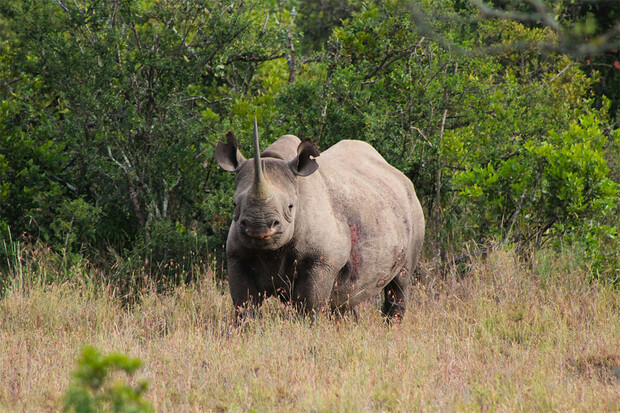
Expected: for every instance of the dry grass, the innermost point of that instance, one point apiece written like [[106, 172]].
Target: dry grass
[[503, 338]]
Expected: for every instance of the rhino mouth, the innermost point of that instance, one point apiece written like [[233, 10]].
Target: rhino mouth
[[264, 243], [261, 235]]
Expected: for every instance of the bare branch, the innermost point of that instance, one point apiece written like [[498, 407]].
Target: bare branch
[[194, 98], [391, 58], [514, 216], [489, 12], [438, 209], [565, 44], [560, 73], [545, 17], [423, 135], [253, 58]]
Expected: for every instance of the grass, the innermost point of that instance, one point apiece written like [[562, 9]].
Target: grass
[[504, 337]]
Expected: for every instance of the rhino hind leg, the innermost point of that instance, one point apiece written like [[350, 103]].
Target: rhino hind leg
[[396, 293]]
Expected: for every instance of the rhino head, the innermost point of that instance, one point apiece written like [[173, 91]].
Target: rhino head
[[266, 198]]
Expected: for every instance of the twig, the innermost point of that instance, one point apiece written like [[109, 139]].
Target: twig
[[422, 134], [193, 98], [438, 211], [389, 59], [514, 216], [468, 255], [560, 73]]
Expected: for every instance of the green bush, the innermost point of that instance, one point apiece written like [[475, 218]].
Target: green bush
[[551, 186], [107, 130], [91, 390], [110, 112], [510, 147]]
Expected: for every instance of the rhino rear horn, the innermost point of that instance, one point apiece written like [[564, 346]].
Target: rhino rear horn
[[227, 154], [305, 163]]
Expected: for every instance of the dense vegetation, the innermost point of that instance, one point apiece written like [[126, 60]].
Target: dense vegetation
[[504, 114], [110, 111]]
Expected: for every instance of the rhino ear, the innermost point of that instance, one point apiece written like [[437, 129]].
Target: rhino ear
[[305, 164], [227, 154]]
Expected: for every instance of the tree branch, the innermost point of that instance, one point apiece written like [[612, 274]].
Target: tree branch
[[194, 98]]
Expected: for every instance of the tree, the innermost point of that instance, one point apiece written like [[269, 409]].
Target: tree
[[463, 125], [111, 109], [109, 114]]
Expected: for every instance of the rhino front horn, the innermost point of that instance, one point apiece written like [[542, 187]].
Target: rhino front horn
[[260, 187]]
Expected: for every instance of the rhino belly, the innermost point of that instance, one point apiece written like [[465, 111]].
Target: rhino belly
[[377, 256]]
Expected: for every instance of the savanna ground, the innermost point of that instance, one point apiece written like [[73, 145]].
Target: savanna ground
[[504, 336]]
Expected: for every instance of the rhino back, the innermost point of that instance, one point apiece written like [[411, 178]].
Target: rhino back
[[359, 179], [284, 148]]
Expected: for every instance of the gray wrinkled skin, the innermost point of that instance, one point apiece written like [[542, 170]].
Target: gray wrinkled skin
[[321, 238]]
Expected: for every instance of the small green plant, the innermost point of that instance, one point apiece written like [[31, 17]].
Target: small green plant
[[91, 390]]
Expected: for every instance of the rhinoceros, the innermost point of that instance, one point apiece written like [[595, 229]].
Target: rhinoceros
[[321, 232]]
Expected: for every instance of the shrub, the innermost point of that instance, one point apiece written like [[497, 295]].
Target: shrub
[[91, 390]]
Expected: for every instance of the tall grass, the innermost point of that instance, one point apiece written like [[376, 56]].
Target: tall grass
[[504, 337]]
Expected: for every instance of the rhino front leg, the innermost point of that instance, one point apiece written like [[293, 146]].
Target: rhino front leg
[[312, 288], [244, 291], [396, 294]]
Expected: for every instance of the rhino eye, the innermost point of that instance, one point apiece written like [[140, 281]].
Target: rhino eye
[[290, 206]]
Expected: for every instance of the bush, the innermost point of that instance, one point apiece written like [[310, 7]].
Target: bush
[[110, 114], [91, 391]]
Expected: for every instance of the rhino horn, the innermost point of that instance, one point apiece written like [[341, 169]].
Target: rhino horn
[[260, 187]]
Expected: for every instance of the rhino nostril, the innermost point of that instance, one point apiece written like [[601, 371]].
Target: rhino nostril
[[275, 224], [243, 225]]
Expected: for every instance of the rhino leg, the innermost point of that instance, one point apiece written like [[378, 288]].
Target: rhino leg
[[312, 287], [245, 294], [396, 293], [345, 312]]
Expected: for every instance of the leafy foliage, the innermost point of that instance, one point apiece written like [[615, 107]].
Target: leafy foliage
[[111, 110], [90, 390], [106, 123], [552, 183]]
